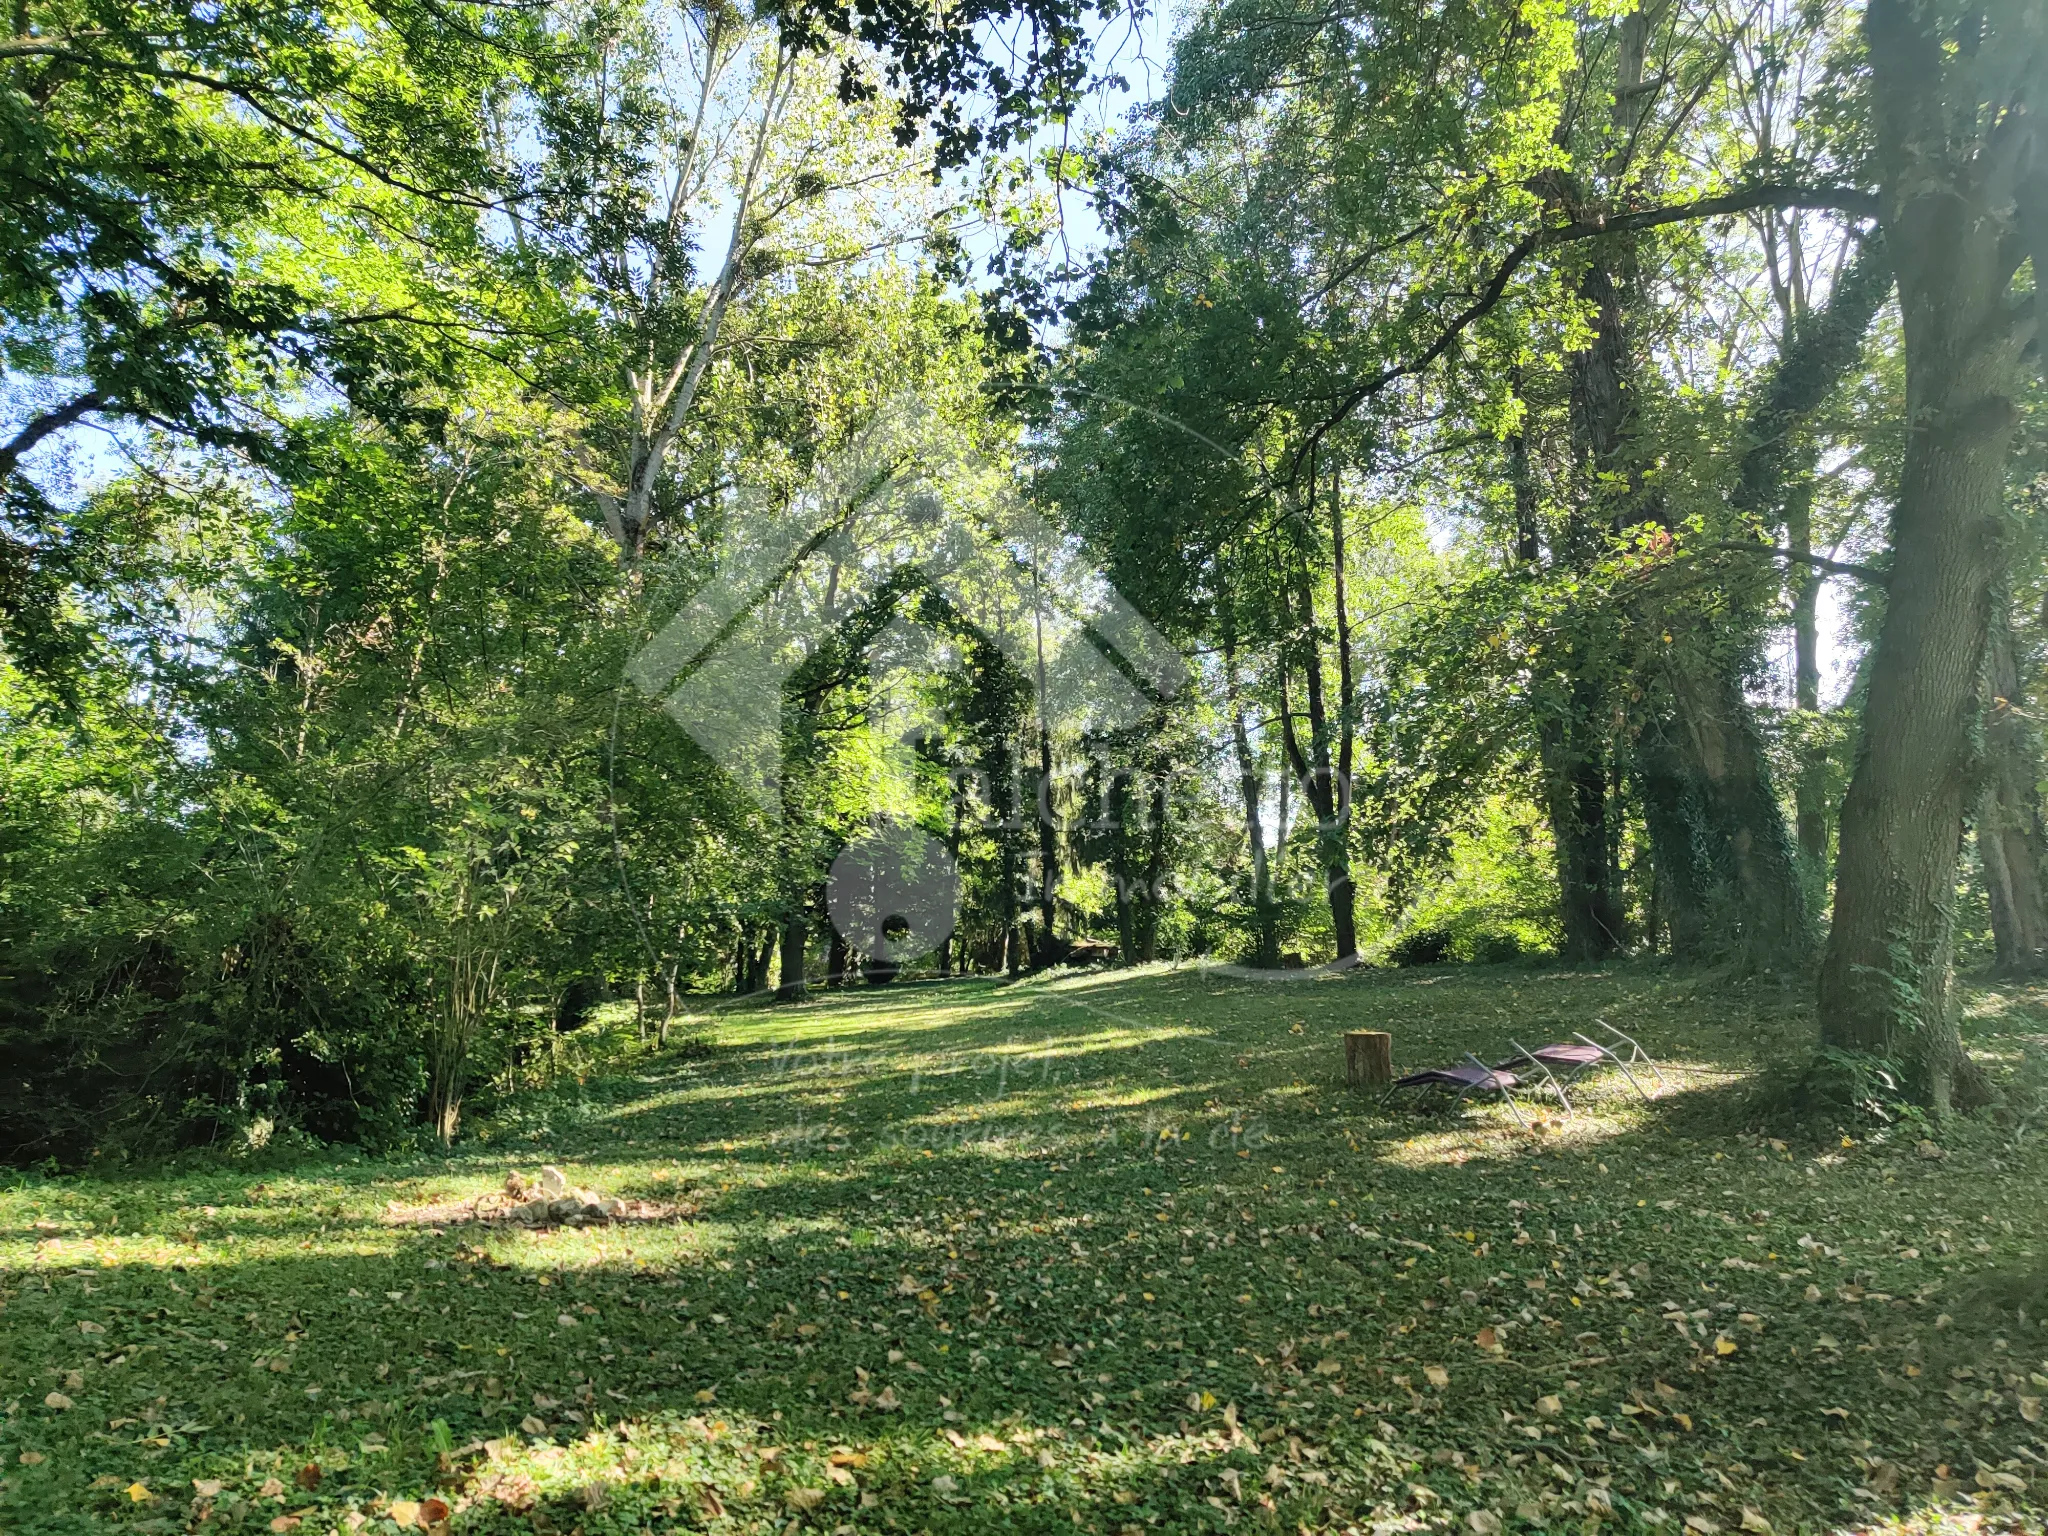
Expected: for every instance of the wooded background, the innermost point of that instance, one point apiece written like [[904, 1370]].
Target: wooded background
[[1589, 460]]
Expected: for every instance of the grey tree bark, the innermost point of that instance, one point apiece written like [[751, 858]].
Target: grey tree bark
[[1886, 984]]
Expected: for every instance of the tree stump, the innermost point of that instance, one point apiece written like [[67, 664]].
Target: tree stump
[[1368, 1058]]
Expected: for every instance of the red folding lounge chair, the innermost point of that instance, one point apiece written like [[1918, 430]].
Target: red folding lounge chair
[[1469, 1076]]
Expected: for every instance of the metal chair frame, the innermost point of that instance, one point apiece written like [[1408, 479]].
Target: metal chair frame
[[1635, 1054], [1607, 1053], [1525, 1054], [1490, 1078]]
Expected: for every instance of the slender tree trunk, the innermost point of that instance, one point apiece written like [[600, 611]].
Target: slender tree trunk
[[1314, 769], [472, 989], [1885, 986], [1283, 808], [1810, 788], [1048, 848], [1265, 912], [1347, 717], [1013, 959], [2010, 836], [761, 956], [1120, 865], [1155, 870], [1048, 831], [953, 848]]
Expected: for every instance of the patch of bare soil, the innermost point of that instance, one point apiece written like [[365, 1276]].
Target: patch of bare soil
[[550, 1202]]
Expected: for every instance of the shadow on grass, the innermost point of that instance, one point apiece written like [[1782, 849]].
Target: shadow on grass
[[1189, 1285]]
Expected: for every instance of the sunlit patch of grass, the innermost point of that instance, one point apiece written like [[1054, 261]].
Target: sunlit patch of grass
[[1265, 1269]]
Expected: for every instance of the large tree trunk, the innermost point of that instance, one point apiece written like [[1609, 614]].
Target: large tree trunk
[[791, 986], [1572, 753], [1717, 832], [2010, 837], [1885, 987], [1574, 740]]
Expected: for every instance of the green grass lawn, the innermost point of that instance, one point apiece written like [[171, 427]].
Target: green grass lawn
[[1110, 1253]]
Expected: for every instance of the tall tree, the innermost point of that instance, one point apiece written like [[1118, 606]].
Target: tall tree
[[1957, 95]]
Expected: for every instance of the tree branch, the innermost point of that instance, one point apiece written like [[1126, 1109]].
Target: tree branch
[[1867, 573], [1850, 200], [42, 426]]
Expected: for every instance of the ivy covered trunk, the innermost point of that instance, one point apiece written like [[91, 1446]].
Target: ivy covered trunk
[[1775, 489], [1676, 818], [1756, 887], [1576, 795], [1885, 987]]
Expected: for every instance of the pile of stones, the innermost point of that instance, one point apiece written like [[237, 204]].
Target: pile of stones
[[554, 1201]]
